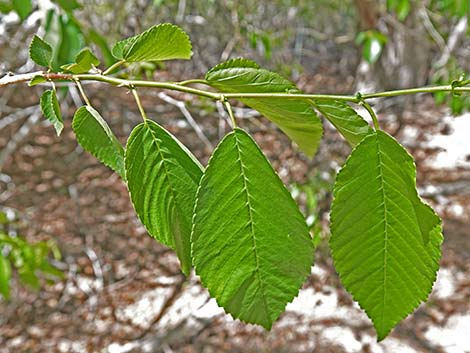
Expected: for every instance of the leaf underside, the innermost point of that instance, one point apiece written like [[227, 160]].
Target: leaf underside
[[161, 42], [95, 136], [345, 119], [385, 241], [250, 244], [51, 110], [293, 116], [163, 177]]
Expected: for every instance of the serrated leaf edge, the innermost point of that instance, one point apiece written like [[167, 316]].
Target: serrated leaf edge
[[193, 227], [127, 49], [37, 38], [436, 228], [108, 132]]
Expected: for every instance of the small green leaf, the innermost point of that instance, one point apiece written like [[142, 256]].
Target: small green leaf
[[349, 124], [51, 110], [403, 9], [28, 276], [5, 276], [40, 52], [95, 136], [5, 7], [22, 7], [373, 43], [162, 177], [160, 42], [36, 81], [372, 50], [293, 116], [250, 243], [46, 268], [84, 62], [68, 5], [385, 241]]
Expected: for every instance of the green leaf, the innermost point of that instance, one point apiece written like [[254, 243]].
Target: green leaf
[[349, 124], [53, 272], [163, 177], [51, 110], [5, 275], [95, 136], [250, 243], [36, 81], [68, 5], [5, 7], [160, 42], [372, 50], [293, 116], [374, 42], [40, 52], [22, 7], [28, 276], [84, 62], [385, 241], [403, 9]]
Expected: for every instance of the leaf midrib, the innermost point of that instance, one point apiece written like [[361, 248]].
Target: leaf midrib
[[252, 226], [382, 188], [164, 162]]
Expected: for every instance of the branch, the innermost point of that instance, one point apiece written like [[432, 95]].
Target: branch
[[174, 86], [182, 107], [11, 78]]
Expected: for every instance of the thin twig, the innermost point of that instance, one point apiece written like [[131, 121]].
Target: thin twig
[[19, 136], [220, 96], [230, 113], [423, 13], [82, 92], [96, 265], [17, 115], [113, 67], [182, 107], [139, 104], [224, 118], [11, 78], [454, 38]]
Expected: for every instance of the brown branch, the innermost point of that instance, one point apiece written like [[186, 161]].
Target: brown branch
[[11, 78]]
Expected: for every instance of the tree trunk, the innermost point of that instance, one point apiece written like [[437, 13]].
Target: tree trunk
[[405, 60]]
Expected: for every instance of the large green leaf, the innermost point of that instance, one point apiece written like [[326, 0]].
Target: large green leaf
[[161, 42], [385, 241], [40, 52], [349, 124], [95, 136], [51, 110], [163, 177], [293, 116], [250, 243], [5, 275], [84, 62]]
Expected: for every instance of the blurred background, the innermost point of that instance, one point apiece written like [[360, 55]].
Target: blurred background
[[78, 271]]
